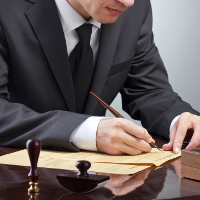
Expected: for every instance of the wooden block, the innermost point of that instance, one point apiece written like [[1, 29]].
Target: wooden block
[[189, 187], [190, 163]]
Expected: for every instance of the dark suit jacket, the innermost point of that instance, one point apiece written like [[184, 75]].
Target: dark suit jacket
[[36, 89]]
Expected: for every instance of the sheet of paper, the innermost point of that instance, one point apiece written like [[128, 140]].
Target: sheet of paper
[[55, 163], [155, 157]]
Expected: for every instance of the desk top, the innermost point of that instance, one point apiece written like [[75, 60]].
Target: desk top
[[163, 183]]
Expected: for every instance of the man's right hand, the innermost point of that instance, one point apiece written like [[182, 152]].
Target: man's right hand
[[116, 136]]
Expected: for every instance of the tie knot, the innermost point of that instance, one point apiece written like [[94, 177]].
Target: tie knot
[[84, 33]]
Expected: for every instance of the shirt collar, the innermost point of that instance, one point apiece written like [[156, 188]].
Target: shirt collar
[[66, 11]]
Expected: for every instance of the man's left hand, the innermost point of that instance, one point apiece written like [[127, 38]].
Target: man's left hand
[[178, 134]]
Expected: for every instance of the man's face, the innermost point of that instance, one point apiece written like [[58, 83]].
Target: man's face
[[103, 11]]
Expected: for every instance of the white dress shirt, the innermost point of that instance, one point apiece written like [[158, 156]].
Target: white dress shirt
[[84, 136]]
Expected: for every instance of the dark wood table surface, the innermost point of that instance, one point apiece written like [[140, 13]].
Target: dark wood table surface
[[163, 183]]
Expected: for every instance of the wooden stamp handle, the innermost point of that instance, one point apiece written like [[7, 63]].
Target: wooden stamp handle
[[83, 166], [33, 147]]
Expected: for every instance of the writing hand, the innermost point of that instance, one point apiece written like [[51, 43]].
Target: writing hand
[[116, 136], [181, 130]]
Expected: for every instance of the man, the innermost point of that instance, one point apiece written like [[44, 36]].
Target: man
[[38, 96]]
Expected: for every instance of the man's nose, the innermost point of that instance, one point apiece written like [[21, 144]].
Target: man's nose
[[127, 3]]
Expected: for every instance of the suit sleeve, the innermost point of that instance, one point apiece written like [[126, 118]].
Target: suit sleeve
[[147, 94], [18, 123]]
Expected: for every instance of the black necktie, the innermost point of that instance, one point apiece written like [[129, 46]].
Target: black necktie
[[81, 62]]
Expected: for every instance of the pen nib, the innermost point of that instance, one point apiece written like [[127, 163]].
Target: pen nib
[[158, 148], [154, 146]]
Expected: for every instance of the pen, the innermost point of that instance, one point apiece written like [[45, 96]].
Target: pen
[[116, 114]]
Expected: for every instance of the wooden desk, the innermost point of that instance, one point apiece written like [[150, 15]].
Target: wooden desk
[[163, 183]]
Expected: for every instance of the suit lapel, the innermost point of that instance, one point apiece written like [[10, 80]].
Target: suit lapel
[[107, 45], [44, 19]]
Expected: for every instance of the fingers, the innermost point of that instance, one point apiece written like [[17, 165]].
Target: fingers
[[180, 134], [187, 121], [195, 140], [129, 149], [134, 136], [169, 146], [136, 143], [183, 126], [119, 148], [113, 138], [138, 131]]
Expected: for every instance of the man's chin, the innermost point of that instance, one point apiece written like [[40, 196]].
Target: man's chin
[[107, 20]]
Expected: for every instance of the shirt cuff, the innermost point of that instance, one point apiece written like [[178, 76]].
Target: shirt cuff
[[84, 135], [173, 122]]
